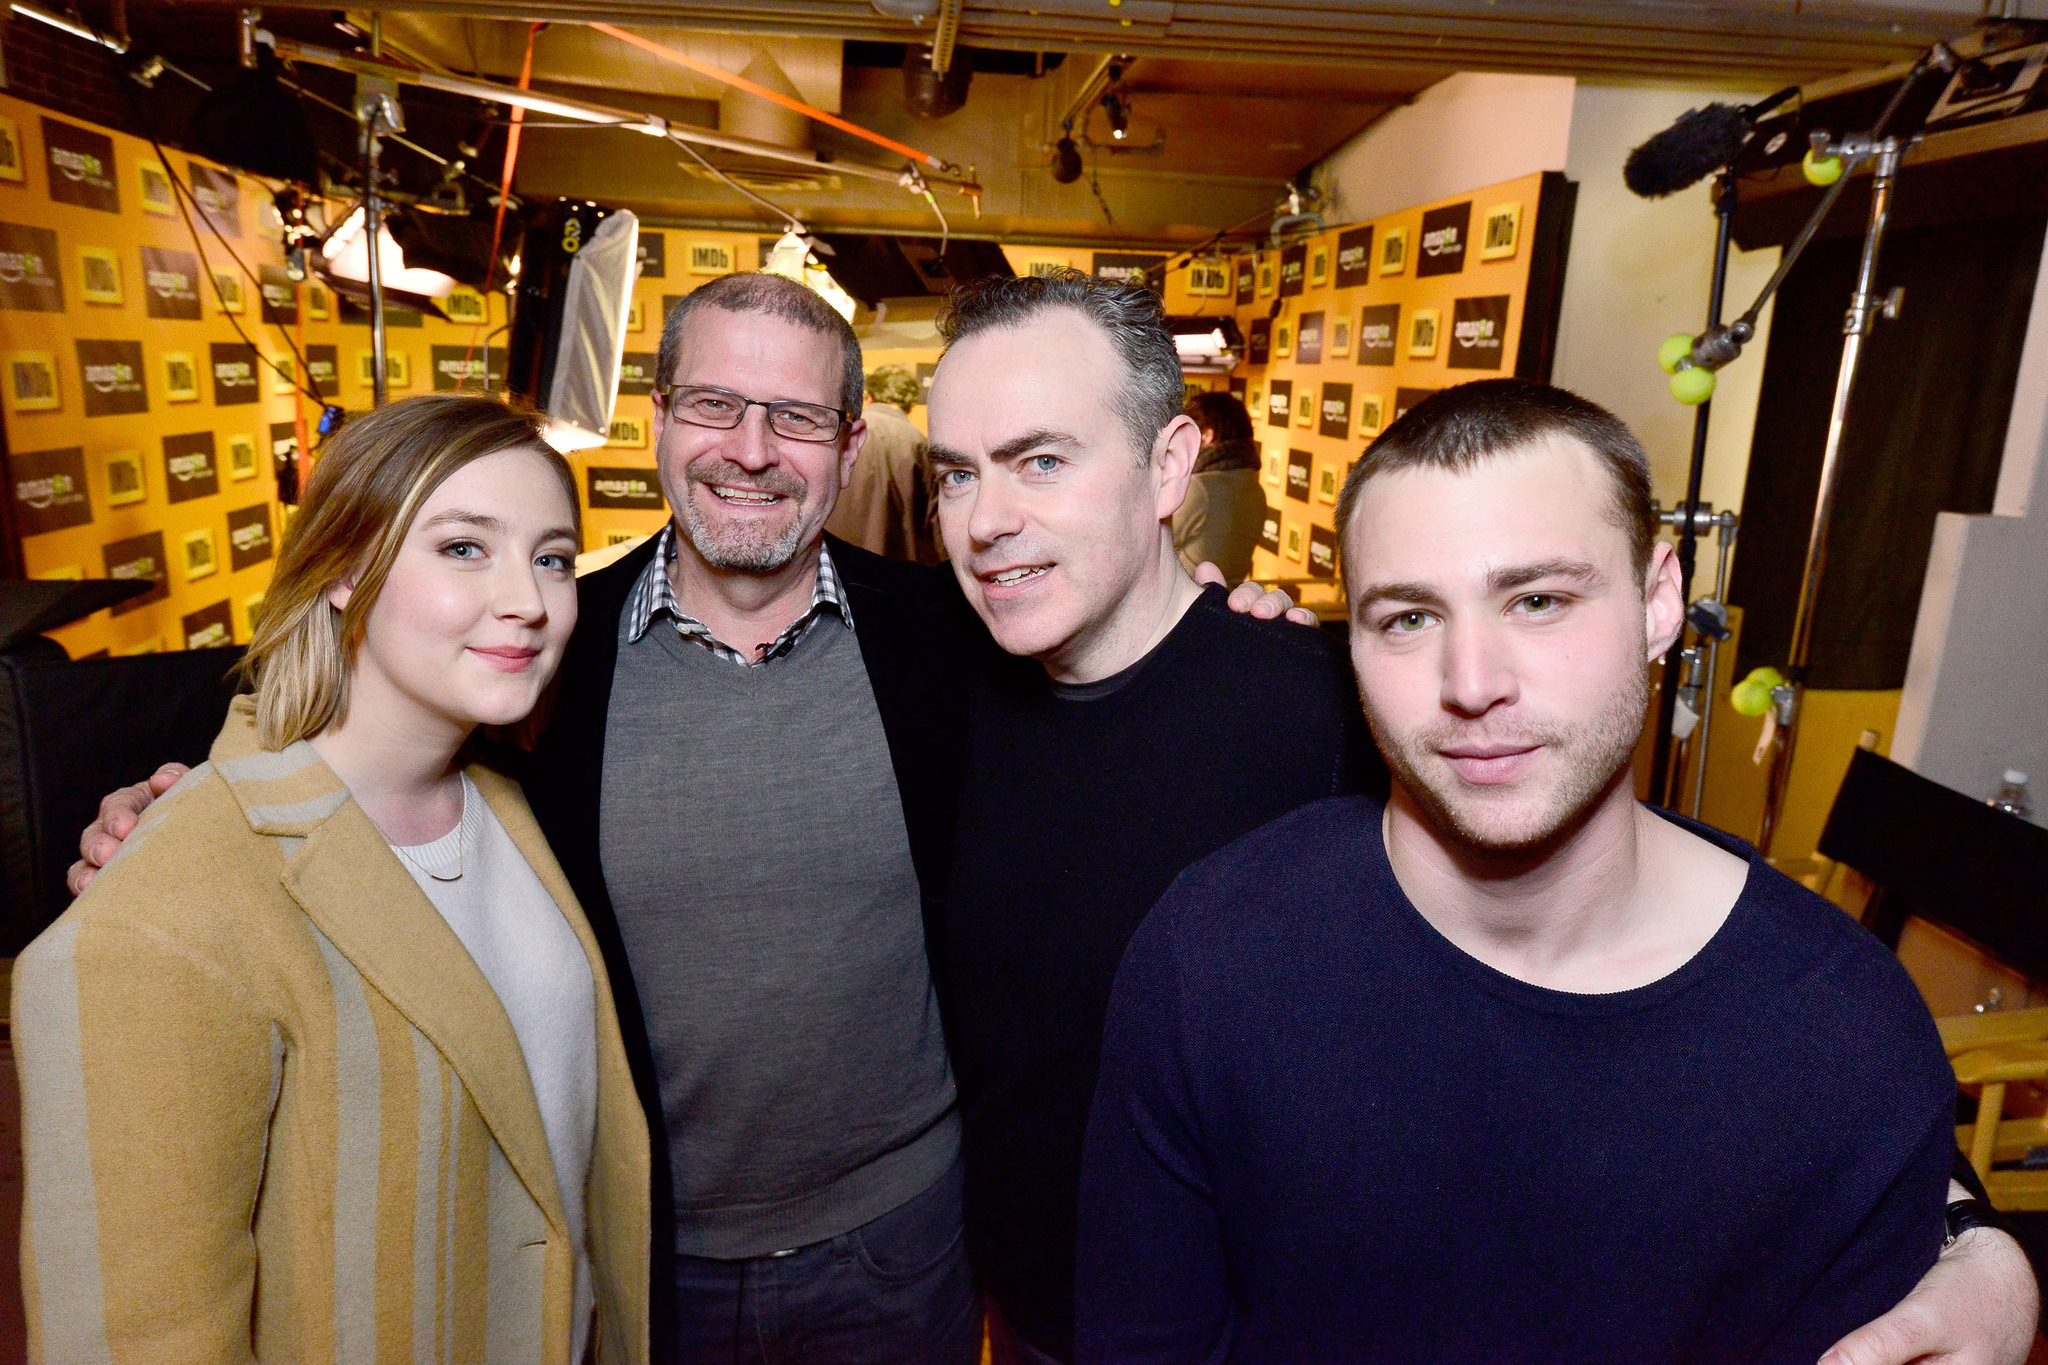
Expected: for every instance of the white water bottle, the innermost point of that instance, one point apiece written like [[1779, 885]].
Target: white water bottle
[[2012, 795]]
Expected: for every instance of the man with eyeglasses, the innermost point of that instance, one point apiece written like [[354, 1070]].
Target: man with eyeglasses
[[747, 780]]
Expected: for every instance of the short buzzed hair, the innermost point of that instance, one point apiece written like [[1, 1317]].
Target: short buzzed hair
[[1131, 316], [756, 292], [1458, 427]]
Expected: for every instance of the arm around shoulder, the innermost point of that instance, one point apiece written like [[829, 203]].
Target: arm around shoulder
[[147, 1080]]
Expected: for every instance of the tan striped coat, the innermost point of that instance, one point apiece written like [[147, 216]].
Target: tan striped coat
[[272, 1111]]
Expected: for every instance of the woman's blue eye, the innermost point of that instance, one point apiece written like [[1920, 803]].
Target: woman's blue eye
[[553, 561], [463, 549]]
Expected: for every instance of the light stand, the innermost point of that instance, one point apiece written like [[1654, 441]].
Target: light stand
[[1697, 664], [1687, 513], [1830, 163], [1864, 307], [376, 108]]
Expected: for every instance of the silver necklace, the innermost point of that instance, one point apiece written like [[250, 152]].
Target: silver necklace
[[455, 876], [461, 838]]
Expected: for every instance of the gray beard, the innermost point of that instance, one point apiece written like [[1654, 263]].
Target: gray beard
[[1594, 754], [744, 549], [739, 549]]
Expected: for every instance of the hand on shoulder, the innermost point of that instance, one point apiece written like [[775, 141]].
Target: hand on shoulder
[[1252, 600], [119, 810]]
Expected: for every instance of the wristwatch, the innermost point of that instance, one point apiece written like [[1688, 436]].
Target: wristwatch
[[1964, 1214]]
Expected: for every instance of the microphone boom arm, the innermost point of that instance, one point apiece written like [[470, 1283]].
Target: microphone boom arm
[[1719, 345]]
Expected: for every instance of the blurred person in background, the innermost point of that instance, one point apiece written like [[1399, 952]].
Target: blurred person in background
[[886, 505], [1219, 520]]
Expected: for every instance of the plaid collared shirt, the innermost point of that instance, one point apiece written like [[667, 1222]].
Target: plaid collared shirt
[[653, 593]]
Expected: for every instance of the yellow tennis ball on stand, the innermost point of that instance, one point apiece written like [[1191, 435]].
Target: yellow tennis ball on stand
[[1820, 170], [1749, 699], [1676, 347], [1692, 386], [1752, 696]]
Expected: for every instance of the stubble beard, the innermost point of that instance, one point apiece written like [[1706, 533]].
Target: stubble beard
[[1587, 760], [743, 547]]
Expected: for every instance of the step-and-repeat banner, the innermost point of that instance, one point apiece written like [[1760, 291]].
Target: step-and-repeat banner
[[1350, 328], [145, 424]]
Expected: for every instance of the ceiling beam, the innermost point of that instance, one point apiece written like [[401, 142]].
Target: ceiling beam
[[1703, 39]]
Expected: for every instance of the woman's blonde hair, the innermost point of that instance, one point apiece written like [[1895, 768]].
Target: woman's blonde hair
[[370, 482]]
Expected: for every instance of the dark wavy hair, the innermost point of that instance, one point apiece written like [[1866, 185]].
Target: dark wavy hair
[[1221, 415]]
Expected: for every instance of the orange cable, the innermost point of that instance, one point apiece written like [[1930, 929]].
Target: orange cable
[[717, 73], [504, 193], [298, 394]]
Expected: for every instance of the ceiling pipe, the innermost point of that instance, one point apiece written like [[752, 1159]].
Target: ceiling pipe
[[581, 111], [1089, 89], [719, 73], [70, 26]]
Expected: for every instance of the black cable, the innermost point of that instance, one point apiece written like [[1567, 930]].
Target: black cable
[[1095, 184], [443, 162], [181, 193], [794, 223], [299, 381]]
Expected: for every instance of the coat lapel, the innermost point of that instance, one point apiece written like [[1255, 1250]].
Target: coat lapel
[[350, 884]]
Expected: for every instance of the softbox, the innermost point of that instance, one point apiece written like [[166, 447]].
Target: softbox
[[576, 273]]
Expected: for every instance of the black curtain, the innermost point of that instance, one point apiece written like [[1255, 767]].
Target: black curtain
[[1925, 433]]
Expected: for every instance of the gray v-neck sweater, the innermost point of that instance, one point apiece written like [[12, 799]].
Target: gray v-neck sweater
[[755, 852]]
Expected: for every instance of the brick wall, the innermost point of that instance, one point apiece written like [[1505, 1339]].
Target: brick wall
[[68, 75]]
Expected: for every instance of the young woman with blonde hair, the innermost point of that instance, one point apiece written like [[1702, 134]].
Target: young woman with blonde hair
[[324, 1065]]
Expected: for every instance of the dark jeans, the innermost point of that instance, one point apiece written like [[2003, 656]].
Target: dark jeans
[[896, 1291]]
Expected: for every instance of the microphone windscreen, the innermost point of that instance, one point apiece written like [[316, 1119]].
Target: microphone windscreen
[[1700, 143]]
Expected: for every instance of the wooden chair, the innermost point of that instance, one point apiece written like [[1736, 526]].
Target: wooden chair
[[1938, 854]]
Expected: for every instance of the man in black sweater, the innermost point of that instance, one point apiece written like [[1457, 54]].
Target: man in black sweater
[[1146, 727], [1507, 1067]]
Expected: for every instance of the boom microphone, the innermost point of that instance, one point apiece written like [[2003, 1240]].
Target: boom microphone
[[1701, 142]]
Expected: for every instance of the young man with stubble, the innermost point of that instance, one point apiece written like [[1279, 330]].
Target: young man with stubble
[[1508, 1067]]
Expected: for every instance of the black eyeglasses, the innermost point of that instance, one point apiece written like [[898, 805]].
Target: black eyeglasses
[[722, 409]]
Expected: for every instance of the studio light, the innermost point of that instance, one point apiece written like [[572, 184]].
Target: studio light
[[791, 258], [345, 260], [1206, 345], [1119, 115]]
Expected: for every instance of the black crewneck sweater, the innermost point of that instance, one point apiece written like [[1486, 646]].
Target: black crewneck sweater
[[1080, 807]]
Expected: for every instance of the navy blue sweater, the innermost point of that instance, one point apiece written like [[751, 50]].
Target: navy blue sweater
[[1324, 1134]]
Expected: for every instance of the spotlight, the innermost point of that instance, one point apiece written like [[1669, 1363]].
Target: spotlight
[[345, 261], [1119, 115], [298, 233], [1066, 161]]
